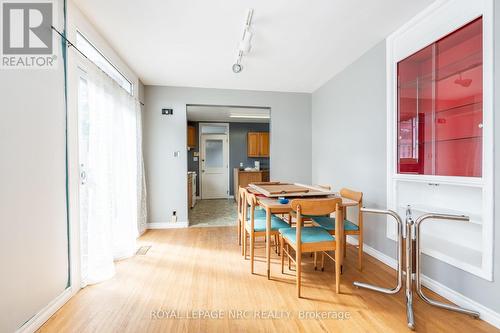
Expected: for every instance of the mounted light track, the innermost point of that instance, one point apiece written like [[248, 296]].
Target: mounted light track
[[245, 44]]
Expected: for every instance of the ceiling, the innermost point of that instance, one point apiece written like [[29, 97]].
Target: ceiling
[[297, 45], [224, 113]]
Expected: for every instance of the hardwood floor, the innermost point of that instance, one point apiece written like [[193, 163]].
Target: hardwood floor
[[198, 269]]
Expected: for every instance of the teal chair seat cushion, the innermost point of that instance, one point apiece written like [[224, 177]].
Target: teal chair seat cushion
[[308, 235], [258, 213], [328, 223], [259, 224]]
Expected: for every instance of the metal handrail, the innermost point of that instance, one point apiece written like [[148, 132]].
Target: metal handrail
[[410, 317], [418, 281], [400, 254]]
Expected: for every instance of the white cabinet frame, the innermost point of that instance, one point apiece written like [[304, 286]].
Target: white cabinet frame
[[435, 22]]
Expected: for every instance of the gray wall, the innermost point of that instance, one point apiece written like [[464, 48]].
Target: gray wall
[[163, 135], [33, 236], [237, 150], [349, 137], [350, 108]]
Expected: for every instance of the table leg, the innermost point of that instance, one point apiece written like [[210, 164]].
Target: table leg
[[268, 242], [341, 238]]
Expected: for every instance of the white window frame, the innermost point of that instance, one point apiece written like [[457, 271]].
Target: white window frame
[[127, 85]]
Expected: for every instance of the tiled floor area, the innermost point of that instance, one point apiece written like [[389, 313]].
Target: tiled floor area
[[213, 213]]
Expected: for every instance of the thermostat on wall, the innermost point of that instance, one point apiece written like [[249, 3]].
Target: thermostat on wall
[[167, 111]]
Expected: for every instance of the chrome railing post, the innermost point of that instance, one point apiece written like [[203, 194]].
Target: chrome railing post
[[409, 224], [418, 281], [400, 253]]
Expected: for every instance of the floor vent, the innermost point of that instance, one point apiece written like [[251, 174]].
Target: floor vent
[[143, 250]]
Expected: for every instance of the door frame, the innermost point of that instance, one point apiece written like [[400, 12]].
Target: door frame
[[226, 125]]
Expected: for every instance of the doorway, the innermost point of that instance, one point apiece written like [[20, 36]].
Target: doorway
[[214, 165], [228, 147]]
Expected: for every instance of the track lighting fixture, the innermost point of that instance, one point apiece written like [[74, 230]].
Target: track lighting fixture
[[245, 44]]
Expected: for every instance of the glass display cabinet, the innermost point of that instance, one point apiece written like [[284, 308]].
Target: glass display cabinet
[[440, 111], [440, 130]]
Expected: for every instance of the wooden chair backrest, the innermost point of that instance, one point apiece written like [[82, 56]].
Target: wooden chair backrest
[[323, 206], [351, 194], [252, 202], [241, 200], [356, 196], [251, 199]]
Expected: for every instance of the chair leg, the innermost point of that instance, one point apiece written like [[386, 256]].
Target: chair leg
[[239, 232], [244, 249], [252, 250], [298, 268], [315, 260], [282, 255], [337, 268], [322, 261], [289, 260], [360, 251], [345, 245]]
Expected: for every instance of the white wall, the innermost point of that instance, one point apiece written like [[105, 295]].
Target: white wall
[[163, 135], [33, 236], [349, 149]]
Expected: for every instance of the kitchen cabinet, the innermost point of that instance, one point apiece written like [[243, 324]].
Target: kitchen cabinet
[[258, 144], [243, 178], [191, 137]]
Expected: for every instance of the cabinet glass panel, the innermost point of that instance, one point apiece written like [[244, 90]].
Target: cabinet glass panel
[[440, 90]]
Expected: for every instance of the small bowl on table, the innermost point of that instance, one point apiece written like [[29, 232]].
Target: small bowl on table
[[283, 200]]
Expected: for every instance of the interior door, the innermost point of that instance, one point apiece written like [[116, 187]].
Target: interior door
[[214, 166]]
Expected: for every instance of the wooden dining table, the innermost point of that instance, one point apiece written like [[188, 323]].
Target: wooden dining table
[[269, 201]]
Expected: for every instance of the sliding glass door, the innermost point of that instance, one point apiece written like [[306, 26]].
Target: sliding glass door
[[110, 173]]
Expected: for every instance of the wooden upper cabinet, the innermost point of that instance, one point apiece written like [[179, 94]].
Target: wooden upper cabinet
[[258, 144], [264, 144], [253, 144], [191, 137]]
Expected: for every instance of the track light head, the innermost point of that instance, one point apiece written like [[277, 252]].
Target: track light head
[[237, 68]]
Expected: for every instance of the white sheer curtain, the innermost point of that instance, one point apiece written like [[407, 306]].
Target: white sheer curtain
[[114, 197]]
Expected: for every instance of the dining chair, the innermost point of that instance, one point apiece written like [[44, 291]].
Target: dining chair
[[290, 216], [255, 226], [241, 211], [311, 239], [350, 228]]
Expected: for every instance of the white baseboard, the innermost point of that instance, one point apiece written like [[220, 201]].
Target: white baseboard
[[41, 317], [486, 314], [453, 296], [168, 225]]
